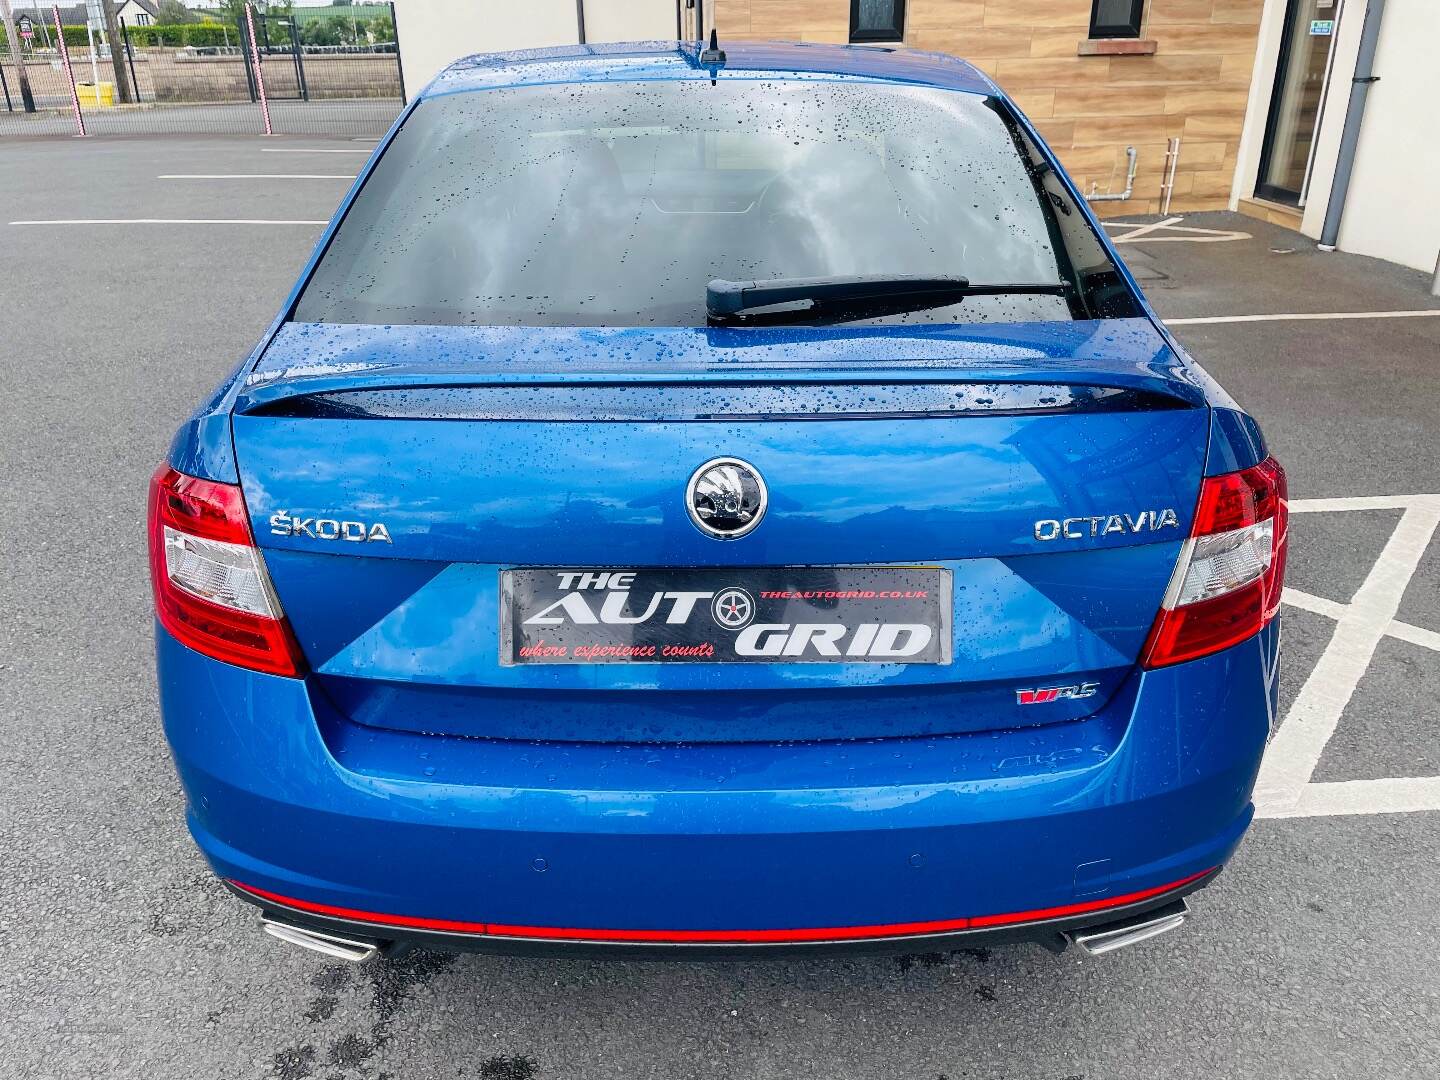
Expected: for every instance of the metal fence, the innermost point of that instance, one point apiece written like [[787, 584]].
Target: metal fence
[[274, 79]]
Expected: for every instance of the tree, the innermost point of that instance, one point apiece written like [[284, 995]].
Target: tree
[[382, 29], [233, 11], [319, 32], [173, 13], [111, 12], [344, 29], [16, 50]]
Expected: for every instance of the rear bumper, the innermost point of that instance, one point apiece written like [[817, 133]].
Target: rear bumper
[[919, 843], [392, 936]]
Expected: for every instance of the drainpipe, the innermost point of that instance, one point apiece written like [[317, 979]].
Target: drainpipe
[[1172, 161], [1354, 118], [1118, 196]]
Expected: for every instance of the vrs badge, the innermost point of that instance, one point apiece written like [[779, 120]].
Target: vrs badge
[[1046, 694]]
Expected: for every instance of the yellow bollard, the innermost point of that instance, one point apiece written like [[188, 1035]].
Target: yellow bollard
[[88, 96]]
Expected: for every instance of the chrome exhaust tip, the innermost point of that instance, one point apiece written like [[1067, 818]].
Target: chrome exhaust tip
[[1099, 940], [333, 945]]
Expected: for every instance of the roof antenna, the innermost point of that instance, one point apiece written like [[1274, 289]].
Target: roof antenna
[[713, 57]]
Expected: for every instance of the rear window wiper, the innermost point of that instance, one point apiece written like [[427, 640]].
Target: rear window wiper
[[838, 299]]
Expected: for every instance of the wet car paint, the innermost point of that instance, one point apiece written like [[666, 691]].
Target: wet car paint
[[1151, 788]]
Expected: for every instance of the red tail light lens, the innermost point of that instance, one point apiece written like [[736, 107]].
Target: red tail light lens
[[1230, 574], [211, 590]]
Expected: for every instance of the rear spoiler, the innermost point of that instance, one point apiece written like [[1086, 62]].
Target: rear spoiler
[[1104, 364], [725, 401]]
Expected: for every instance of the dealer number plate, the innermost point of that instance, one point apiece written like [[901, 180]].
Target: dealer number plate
[[750, 615]]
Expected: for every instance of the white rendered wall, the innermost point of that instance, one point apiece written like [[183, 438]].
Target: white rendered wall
[[434, 33], [1393, 208]]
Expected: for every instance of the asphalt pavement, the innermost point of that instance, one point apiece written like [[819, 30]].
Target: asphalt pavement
[[1312, 956]]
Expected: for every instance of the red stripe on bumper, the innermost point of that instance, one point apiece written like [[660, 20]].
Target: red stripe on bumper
[[681, 937]]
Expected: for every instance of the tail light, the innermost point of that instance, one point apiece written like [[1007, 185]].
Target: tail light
[[211, 590], [1226, 586]]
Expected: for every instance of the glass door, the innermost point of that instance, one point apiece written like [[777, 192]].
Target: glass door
[[1295, 103]]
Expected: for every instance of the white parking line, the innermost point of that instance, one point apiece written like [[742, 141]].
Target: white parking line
[[1415, 635], [1363, 502], [1319, 605], [256, 176], [171, 221], [1307, 316], [1138, 231], [1333, 609], [1284, 788], [1168, 231], [1392, 795], [304, 150]]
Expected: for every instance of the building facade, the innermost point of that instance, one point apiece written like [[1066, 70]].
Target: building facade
[[1312, 81], [1096, 76]]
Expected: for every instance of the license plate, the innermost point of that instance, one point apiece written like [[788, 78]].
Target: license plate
[[752, 615]]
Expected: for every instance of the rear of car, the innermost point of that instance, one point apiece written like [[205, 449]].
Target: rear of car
[[716, 506]]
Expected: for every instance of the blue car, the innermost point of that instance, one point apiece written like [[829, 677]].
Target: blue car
[[710, 501]]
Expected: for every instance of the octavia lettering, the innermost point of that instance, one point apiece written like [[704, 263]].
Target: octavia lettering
[[1078, 528]]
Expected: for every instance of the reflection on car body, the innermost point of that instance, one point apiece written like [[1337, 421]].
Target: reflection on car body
[[752, 492]]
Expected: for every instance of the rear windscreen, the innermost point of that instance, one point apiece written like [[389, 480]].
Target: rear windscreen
[[615, 203]]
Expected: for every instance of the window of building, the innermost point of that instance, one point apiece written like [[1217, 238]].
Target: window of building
[[877, 20], [1116, 18], [142, 19]]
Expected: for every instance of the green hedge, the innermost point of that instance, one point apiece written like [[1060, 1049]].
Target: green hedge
[[205, 35], [74, 36], [201, 35], [38, 41]]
